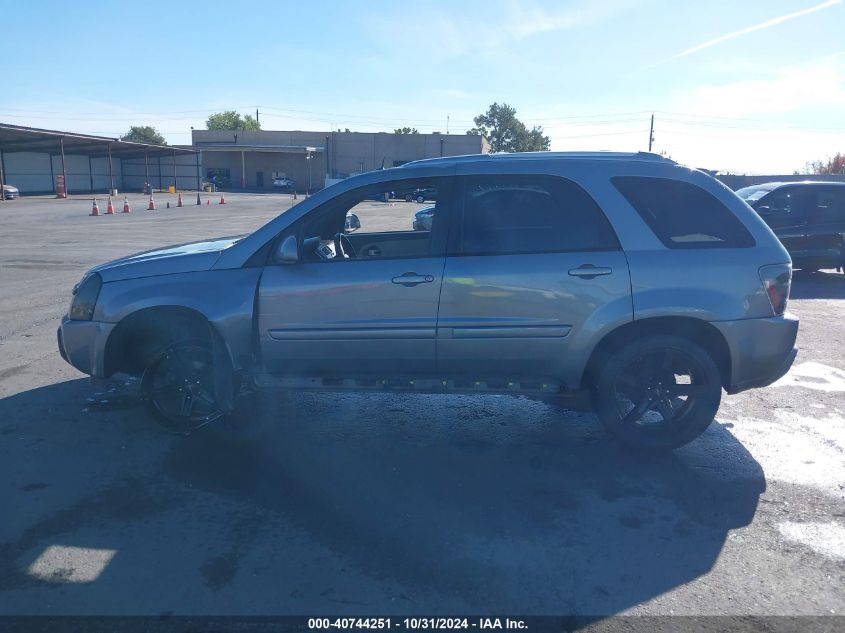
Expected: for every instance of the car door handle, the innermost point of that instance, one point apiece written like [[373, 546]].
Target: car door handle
[[412, 279], [588, 271]]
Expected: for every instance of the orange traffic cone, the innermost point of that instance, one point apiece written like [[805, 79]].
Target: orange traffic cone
[[110, 208], [152, 205], [179, 201], [95, 210], [222, 199], [126, 208], [207, 202]]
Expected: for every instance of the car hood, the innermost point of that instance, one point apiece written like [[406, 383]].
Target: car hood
[[182, 258]]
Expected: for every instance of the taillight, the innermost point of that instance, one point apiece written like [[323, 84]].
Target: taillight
[[777, 280]]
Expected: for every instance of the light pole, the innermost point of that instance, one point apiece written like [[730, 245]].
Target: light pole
[[308, 153]]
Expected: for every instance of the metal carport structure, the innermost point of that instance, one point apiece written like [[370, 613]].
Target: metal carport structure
[[55, 143]]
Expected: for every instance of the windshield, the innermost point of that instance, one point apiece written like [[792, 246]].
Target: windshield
[[754, 193]]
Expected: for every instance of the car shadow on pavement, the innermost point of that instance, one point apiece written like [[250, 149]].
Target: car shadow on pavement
[[817, 285], [354, 503]]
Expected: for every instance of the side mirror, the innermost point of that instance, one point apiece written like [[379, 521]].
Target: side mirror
[[288, 251], [352, 223], [764, 210]]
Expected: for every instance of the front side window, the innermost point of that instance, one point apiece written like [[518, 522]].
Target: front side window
[[683, 215], [781, 208], [529, 214], [398, 219]]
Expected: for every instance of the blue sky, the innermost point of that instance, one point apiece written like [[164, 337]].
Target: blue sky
[[756, 86]]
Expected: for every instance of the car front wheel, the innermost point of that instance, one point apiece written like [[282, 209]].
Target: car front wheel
[[659, 392], [178, 388]]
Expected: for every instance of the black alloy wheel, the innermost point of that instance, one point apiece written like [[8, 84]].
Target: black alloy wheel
[[658, 393], [178, 388]]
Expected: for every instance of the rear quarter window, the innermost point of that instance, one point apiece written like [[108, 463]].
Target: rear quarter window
[[683, 215]]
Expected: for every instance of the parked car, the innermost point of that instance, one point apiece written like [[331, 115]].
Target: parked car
[[424, 194], [423, 219], [10, 192], [283, 183], [808, 218], [406, 195], [646, 286]]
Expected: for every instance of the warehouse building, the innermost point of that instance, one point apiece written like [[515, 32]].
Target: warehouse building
[[39, 161], [253, 159]]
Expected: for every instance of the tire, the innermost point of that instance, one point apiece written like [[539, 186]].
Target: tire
[[657, 393], [178, 388], [420, 199], [409, 198]]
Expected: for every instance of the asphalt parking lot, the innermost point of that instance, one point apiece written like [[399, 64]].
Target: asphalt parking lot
[[393, 504]]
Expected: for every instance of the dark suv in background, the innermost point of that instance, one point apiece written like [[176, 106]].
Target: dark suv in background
[[808, 218]]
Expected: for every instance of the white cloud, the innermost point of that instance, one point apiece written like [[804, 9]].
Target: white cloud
[[707, 144], [790, 89], [768, 124], [524, 19], [741, 151], [759, 27], [451, 34]]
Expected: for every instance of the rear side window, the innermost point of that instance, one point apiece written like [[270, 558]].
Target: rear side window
[[826, 205], [513, 214], [683, 215]]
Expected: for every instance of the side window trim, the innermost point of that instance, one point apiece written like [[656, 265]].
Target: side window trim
[[458, 207], [438, 236]]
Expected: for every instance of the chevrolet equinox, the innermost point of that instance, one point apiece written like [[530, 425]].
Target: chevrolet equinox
[[648, 286]]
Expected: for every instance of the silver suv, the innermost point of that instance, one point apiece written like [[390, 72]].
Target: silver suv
[[646, 285]]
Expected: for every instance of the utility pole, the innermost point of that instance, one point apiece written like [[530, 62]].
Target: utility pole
[[447, 124], [651, 133], [256, 114]]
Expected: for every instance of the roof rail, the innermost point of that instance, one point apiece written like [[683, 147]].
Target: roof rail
[[598, 155]]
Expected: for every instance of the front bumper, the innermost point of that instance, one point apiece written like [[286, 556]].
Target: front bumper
[[762, 350], [83, 345]]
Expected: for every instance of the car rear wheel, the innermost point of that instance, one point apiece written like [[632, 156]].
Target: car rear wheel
[[657, 393], [178, 388], [409, 198], [420, 199]]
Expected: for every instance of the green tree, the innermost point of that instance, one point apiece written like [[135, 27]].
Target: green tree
[[406, 130], [506, 133], [144, 134], [231, 120]]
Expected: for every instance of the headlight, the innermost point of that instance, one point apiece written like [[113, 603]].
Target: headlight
[[85, 298]]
